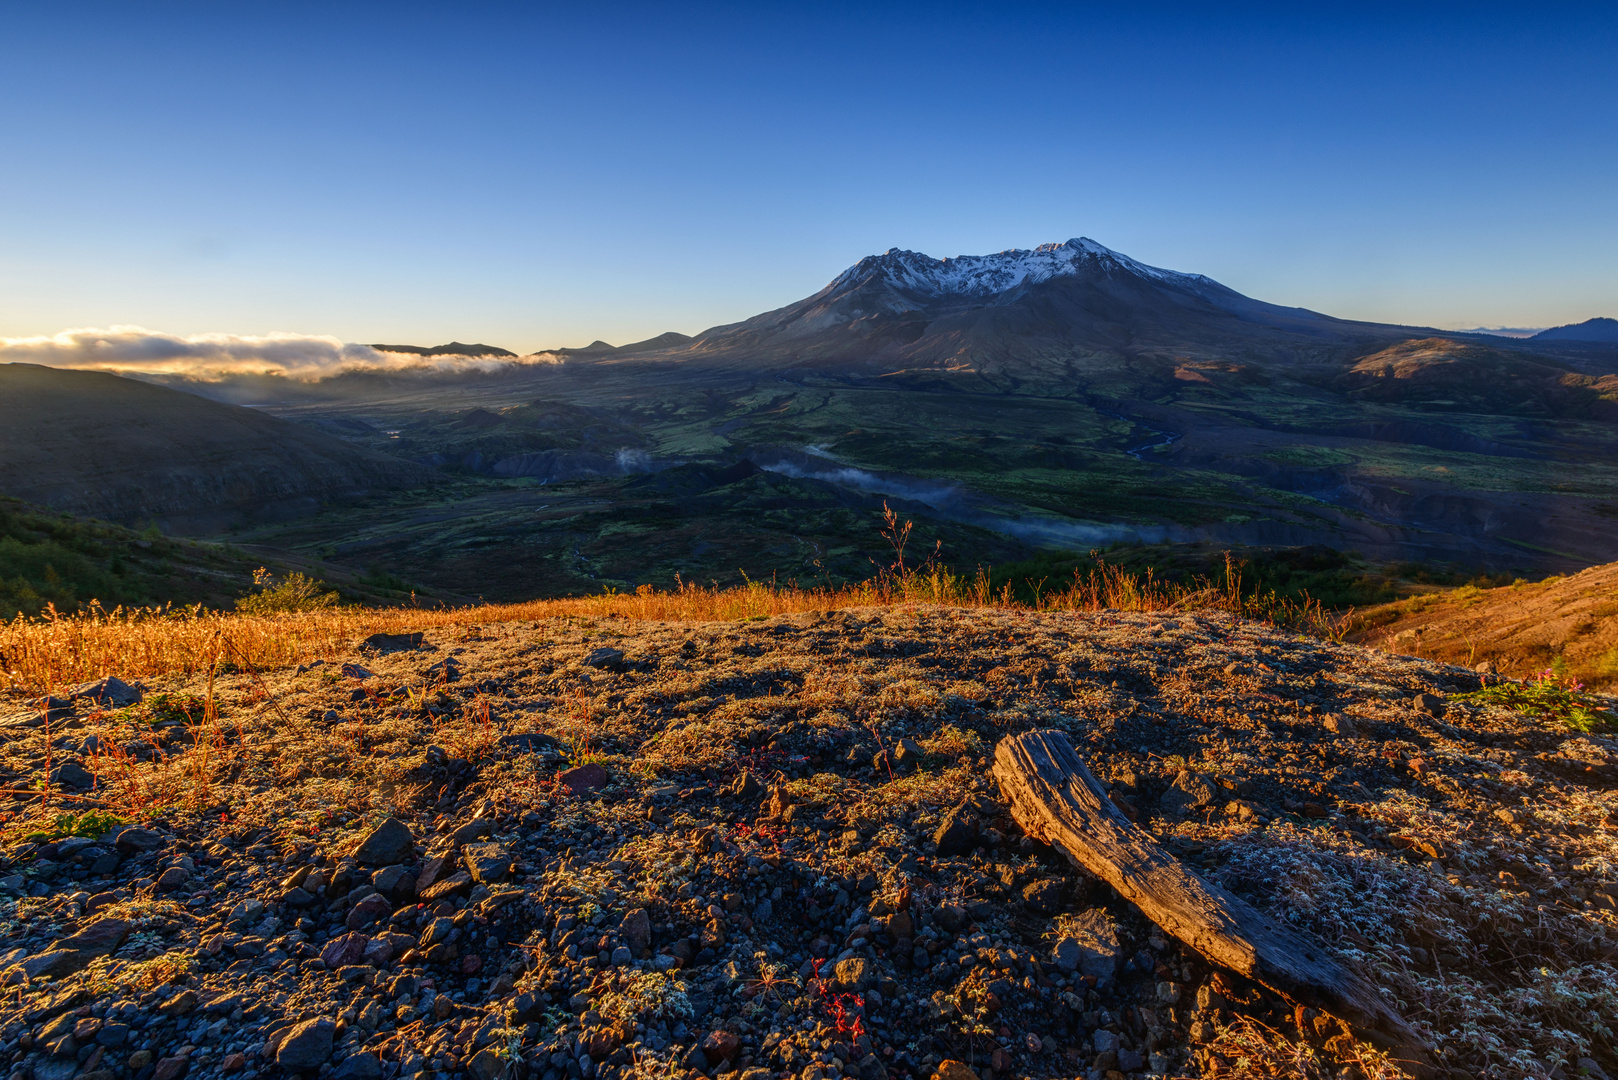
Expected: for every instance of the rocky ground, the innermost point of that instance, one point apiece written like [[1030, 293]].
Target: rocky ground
[[606, 849]]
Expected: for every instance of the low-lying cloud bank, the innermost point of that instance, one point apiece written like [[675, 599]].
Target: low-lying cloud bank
[[306, 357]]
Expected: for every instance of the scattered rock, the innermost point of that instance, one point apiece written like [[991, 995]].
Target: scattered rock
[[135, 840], [950, 1069], [485, 1065], [851, 974], [108, 693], [344, 950], [1090, 946], [361, 1066], [71, 774], [605, 659], [907, 754], [636, 930], [382, 644], [387, 844], [1431, 704], [957, 833], [487, 863], [531, 742], [1044, 897], [1190, 792], [307, 1046], [584, 778]]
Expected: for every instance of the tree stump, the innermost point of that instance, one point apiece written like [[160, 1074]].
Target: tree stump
[[1056, 799]]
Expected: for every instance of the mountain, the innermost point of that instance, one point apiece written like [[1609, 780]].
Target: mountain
[[454, 348], [1077, 300], [1066, 396], [125, 451], [1599, 329]]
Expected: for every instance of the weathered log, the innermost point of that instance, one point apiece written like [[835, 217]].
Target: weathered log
[[1056, 799]]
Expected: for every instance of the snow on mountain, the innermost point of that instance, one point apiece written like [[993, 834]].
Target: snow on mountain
[[990, 274]]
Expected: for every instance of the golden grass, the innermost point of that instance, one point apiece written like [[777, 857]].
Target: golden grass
[[39, 655]]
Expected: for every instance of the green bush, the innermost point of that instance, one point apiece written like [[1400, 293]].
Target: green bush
[[296, 592]]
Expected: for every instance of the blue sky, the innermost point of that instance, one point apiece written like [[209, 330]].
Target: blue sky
[[532, 177]]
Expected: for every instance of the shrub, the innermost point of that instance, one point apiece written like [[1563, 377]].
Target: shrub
[[297, 592]]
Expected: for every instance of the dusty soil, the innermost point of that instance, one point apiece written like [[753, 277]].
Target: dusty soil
[[1517, 629], [503, 852]]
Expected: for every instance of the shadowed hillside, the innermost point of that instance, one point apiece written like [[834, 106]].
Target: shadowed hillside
[[126, 451]]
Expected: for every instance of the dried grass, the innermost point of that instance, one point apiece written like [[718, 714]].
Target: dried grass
[[56, 650]]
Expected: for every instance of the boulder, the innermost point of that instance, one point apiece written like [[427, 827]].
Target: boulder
[[605, 659]]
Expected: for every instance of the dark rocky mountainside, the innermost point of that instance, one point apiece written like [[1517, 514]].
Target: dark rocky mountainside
[[126, 451], [1598, 329]]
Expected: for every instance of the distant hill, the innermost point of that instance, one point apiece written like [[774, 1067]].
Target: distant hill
[[454, 348], [1599, 329], [1454, 376], [125, 451]]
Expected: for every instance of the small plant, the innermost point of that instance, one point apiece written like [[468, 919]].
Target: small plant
[[297, 592], [1549, 695], [92, 824]]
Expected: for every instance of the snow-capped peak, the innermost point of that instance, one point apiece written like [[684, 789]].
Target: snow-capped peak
[[988, 274]]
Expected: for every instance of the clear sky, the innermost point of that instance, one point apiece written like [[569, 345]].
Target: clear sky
[[535, 176]]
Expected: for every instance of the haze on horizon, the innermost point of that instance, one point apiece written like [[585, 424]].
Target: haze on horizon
[[536, 180]]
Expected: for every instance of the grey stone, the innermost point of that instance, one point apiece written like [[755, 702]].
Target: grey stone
[[605, 659], [108, 693], [529, 743], [388, 844], [1190, 792], [487, 863], [55, 963], [908, 754], [133, 840], [1090, 945], [100, 938], [307, 1047], [636, 930], [247, 911], [1044, 897], [486, 1065], [395, 881], [957, 833], [391, 643], [72, 774], [361, 1066], [175, 877]]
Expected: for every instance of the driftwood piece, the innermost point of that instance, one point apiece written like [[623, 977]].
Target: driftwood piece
[[1056, 799]]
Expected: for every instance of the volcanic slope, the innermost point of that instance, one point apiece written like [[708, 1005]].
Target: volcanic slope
[[1520, 629], [1017, 313], [672, 848], [126, 451]]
